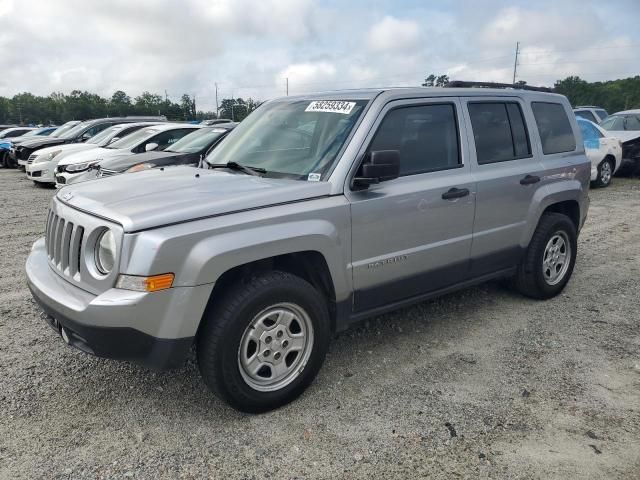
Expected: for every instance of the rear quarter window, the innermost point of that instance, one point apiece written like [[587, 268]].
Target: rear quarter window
[[556, 134]]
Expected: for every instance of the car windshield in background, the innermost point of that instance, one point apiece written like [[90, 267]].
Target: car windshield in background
[[75, 131], [602, 114], [104, 137], [134, 139], [621, 122], [62, 130], [196, 141], [296, 139]]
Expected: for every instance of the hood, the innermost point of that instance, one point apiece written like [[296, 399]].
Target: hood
[[623, 135], [153, 198], [65, 148], [95, 153], [120, 163], [39, 141]]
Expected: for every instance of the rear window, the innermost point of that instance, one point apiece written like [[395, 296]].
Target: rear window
[[586, 114], [555, 130], [499, 132]]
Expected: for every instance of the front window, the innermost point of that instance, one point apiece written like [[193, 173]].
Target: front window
[[292, 139], [197, 141], [134, 139]]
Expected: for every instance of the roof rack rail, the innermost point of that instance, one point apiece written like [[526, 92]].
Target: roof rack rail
[[465, 84]]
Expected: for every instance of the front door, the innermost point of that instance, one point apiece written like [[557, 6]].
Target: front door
[[412, 235]]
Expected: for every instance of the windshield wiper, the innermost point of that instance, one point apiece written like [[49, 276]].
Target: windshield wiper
[[242, 168]]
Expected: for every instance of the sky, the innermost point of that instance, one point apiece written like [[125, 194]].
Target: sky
[[251, 47]]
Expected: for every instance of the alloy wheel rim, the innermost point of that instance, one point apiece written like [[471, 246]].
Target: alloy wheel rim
[[556, 258], [275, 347], [605, 172]]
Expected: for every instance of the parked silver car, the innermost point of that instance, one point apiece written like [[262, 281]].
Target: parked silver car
[[316, 211]]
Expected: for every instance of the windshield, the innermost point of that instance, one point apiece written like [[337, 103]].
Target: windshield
[[134, 139], [196, 141], [104, 137], [296, 139], [63, 129], [75, 131], [622, 122]]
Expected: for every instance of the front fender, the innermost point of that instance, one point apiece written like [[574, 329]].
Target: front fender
[[211, 257]]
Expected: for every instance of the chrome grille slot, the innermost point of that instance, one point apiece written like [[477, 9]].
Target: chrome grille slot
[[47, 234], [57, 241], [66, 245], [74, 250]]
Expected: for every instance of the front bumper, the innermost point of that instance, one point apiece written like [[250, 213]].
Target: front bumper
[[117, 324], [40, 172], [66, 178]]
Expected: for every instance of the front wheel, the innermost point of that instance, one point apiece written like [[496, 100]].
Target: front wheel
[[549, 260], [605, 172], [264, 341]]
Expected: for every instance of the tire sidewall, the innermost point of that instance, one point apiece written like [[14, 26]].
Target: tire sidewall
[[600, 182], [561, 224], [233, 386]]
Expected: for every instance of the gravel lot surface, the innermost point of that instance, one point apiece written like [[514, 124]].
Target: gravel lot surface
[[477, 384]]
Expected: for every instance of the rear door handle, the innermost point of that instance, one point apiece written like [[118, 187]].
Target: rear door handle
[[529, 180], [454, 193]]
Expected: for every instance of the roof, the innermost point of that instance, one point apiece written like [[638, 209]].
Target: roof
[[635, 111], [588, 106], [418, 92]]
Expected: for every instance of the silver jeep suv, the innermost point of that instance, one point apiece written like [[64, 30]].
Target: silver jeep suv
[[317, 211]]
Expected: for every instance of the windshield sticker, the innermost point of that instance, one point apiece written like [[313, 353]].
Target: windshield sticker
[[331, 106], [313, 177]]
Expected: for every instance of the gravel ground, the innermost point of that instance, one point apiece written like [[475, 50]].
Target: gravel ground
[[478, 384]]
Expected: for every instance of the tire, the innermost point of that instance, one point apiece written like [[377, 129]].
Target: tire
[[226, 340], [605, 173], [534, 278]]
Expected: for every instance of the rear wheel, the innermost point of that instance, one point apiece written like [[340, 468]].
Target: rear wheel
[[605, 172], [264, 342], [549, 260]]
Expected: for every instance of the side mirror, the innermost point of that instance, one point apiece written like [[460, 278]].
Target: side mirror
[[378, 166], [150, 146], [114, 139], [85, 136]]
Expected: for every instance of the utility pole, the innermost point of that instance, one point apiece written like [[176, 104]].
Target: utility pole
[[287, 83], [217, 108], [515, 62]]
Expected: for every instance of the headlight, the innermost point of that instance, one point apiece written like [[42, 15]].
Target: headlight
[[106, 252], [140, 167], [46, 158], [79, 167]]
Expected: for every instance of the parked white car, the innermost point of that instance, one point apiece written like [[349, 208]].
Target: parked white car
[[604, 152], [626, 126], [591, 113], [41, 165], [77, 167]]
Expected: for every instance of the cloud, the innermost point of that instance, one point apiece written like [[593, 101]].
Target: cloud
[[392, 35], [249, 47]]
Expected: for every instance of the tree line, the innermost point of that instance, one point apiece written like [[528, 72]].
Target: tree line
[[57, 108], [612, 95]]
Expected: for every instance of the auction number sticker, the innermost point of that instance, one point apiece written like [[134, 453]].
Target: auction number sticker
[[331, 106]]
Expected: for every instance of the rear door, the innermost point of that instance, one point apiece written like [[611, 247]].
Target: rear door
[[412, 235], [508, 174]]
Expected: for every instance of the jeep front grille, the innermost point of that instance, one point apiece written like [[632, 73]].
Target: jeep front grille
[[64, 243]]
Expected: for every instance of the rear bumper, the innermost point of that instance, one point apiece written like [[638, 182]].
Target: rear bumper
[[155, 330]]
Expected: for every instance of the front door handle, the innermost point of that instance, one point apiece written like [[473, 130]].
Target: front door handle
[[454, 193], [529, 180]]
